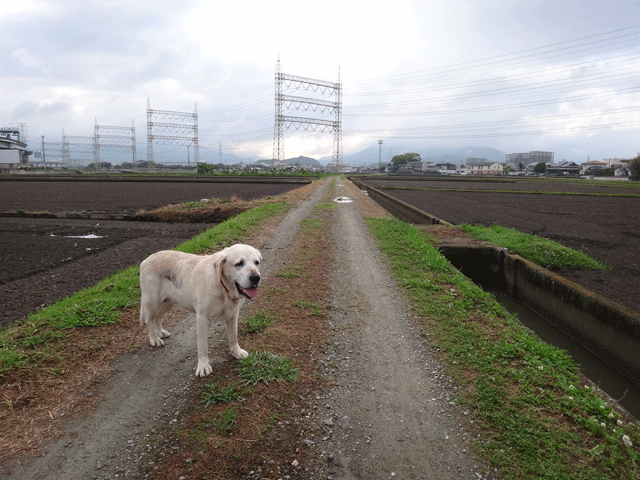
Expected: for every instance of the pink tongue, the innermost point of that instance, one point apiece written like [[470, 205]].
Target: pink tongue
[[250, 292]]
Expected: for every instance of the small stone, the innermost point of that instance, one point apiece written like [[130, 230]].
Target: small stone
[[328, 422]]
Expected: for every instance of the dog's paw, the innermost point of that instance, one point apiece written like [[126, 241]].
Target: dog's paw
[[156, 342], [204, 369], [239, 353], [164, 334]]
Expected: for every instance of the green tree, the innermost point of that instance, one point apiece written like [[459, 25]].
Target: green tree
[[101, 166], [205, 168], [399, 160], [540, 167], [634, 168]]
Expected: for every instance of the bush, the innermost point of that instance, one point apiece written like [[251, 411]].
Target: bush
[[634, 169]]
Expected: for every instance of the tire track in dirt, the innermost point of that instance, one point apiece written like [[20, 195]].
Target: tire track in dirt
[[391, 412]]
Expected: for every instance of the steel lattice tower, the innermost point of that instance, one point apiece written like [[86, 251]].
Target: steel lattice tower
[[188, 123], [283, 122], [84, 146], [116, 138]]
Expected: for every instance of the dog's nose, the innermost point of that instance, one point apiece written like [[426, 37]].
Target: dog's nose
[[254, 279]]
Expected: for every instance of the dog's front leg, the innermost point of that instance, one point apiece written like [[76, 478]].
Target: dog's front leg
[[232, 333], [202, 334]]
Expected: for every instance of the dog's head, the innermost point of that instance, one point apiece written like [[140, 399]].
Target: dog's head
[[238, 268]]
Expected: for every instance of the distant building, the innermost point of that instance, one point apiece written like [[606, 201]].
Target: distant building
[[613, 162], [13, 152], [563, 168], [482, 166], [592, 166], [529, 158], [621, 171], [419, 167]]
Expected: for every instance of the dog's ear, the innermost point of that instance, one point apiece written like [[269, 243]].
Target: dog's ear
[[218, 263]]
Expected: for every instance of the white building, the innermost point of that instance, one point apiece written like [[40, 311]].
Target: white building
[[482, 166], [13, 152]]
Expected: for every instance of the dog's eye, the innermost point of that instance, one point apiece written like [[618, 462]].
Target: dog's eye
[[257, 262], [240, 263]]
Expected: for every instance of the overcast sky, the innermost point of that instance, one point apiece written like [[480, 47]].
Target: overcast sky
[[557, 75]]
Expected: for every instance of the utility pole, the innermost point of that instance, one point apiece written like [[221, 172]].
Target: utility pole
[[43, 161], [379, 154]]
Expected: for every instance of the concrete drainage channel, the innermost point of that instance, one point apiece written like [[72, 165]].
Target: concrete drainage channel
[[601, 335]]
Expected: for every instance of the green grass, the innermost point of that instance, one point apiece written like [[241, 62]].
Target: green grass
[[232, 230], [258, 322], [291, 272], [217, 392], [226, 422], [541, 251], [26, 344], [266, 367], [312, 307], [533, 416]]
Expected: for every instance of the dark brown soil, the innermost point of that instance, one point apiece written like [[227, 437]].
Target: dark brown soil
[[46, 259], [126, 195], [606, 228]]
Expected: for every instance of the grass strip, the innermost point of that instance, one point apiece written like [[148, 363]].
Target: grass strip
[[26, 344], [533, 416], [542, 251]]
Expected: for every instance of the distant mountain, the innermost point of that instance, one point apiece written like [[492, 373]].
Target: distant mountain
[[303, 162], [370, 156], [480, 152]]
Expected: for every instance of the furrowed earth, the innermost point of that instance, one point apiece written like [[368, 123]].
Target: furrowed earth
[[372, 398]]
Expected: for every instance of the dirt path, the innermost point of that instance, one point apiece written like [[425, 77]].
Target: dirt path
[[390, 414], [391, 408]]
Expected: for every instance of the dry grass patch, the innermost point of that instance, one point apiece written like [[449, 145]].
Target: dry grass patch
[[215, 210]]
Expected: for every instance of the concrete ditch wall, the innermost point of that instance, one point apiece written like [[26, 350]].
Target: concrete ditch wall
[[608, 329]]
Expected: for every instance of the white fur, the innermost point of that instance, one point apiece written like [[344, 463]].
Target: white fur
[[208, 285]]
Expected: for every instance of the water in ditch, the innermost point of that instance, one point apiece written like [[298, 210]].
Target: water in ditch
[[598, 371]]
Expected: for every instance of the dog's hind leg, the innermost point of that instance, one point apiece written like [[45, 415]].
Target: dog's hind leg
[[153, 318]]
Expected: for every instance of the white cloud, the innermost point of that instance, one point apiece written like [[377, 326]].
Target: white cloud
[[27, 58], [438, 72], [15, 10]]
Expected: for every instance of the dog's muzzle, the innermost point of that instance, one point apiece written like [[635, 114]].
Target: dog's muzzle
[[251, 291]]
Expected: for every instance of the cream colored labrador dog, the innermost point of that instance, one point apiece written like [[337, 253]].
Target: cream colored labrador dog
[[212, 286]]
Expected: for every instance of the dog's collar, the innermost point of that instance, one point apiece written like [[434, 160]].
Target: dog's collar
[[224, 286]]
